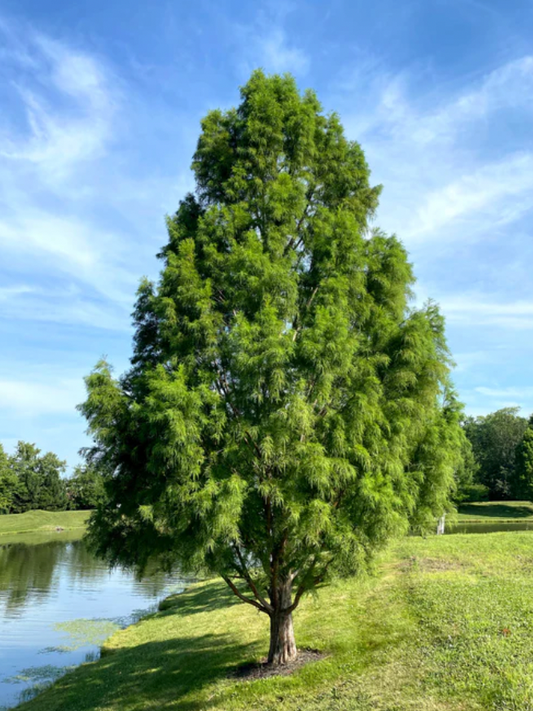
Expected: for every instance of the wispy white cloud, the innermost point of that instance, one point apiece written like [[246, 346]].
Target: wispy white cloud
[[505, 393], [507, 87], [7, 292], [62, 306], [57, 140], [35, 398], [440, 155], [469, 360], [54, 185], [66, 240], [265, 43], [493, 194], [276, 54], [471, 309]]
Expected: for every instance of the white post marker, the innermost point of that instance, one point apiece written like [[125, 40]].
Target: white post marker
[[441, 525]]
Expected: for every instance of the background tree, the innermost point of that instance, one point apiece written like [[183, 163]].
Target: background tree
[[467, 486], [524, 464], [494, 440], [40, 484], [8, 483], [53, 492], [25, 464], [283, 415], [85, 488]]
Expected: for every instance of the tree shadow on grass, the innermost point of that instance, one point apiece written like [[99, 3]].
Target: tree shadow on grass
[[162, 674], [496, 510], [210, 596], [155, 675]]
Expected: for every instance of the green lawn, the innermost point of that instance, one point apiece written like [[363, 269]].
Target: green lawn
[[495, 512], [446, 623], [42, 521]]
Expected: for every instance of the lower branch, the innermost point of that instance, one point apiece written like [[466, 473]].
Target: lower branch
[[242, 597]]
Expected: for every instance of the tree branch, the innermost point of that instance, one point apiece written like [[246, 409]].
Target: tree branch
[[242, 597], [307, 305], [306, 584], [290, 244], [246, 575]]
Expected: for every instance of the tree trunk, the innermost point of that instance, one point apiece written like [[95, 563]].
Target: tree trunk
[[282, 643]]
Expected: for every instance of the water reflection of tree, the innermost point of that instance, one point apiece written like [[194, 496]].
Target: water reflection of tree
[[27, 571], [31, 572]]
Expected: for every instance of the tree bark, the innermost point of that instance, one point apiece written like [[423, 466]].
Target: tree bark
[[282, 643]]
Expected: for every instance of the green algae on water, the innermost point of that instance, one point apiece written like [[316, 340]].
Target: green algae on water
[[85, 633]]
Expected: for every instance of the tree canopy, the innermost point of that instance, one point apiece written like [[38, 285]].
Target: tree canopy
[[8, 483], [39, 479], [85, 488], [286, 410], [30, 480], [524, 464], [495, 439]]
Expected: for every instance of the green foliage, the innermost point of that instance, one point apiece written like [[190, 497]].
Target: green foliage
[[472, 492], [524, 464], [25, 465], [30, 481], [286, 411], [85, 488], [466, 486], [53, 494], [39, 481], [8, 483], [494, 440]]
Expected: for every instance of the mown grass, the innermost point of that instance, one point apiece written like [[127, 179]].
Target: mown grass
[[446, 623], [42, 521], [495, 512]]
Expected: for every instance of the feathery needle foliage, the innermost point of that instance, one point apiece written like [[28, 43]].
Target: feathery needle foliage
[[286, 412]]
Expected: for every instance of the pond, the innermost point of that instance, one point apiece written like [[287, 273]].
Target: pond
[[58, 603]]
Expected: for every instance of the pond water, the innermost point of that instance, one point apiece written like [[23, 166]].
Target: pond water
[[58, 603]]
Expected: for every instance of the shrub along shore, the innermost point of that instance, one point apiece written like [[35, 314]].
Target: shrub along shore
[[444, 623], [42, 521]]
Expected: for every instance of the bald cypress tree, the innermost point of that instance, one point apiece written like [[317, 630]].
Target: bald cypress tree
[[286, 412]]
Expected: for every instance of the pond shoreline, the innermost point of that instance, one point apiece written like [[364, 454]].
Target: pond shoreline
[[58, 605]]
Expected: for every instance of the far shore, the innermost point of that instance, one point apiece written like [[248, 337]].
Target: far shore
[[42, 522]]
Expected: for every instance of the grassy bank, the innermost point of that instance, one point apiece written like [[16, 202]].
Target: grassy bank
[[446, 623], [496, 512], [42, 521]]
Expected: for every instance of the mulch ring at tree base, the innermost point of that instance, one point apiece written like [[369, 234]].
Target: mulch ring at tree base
[[262, 670]]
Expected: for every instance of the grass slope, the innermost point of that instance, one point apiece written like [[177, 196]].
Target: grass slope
[[42, 521], [495, 512], [447, 623]]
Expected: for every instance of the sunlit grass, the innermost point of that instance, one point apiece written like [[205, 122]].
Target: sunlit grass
[[495, 512], [42, 521]]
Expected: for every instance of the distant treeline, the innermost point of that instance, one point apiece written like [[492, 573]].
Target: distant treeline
[[498, 463], [30, 480]]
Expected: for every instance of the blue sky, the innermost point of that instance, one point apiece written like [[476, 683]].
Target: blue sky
[[100, 104]]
